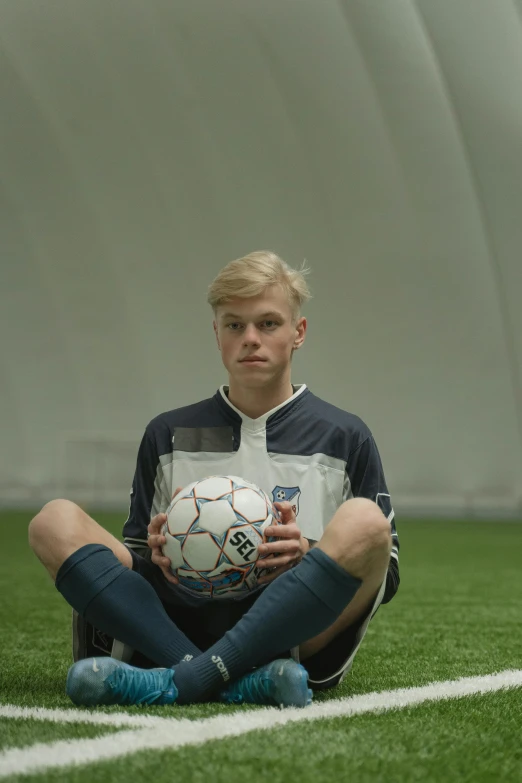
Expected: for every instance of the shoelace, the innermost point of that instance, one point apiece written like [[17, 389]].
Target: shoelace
[[129, 687], [256, 688]]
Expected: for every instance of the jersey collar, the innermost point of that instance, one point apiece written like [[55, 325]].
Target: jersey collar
[[261, 422]]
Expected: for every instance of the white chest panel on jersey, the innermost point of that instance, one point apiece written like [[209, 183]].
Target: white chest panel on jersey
[[315, 484]]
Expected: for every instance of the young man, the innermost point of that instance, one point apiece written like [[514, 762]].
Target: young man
[[334, 560]]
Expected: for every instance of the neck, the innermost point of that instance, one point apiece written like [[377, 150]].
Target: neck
[[256, 402]]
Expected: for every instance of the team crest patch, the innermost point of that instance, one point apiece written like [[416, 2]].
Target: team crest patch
[[291, 494]]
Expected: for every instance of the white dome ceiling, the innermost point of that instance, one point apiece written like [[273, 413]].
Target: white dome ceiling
[[144, 145]]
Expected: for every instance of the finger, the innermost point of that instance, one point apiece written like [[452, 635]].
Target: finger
[[160, 560], [276, 561], [168, 574], [164, 564], [156, 542], [279, 546], [286, 511], [176, 491], [272, 575], [156, 523], [283, 531]]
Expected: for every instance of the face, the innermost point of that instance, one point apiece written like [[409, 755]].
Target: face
[[257, 336]]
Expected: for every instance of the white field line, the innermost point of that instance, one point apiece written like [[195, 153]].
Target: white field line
[[173, 733], [113, 719]]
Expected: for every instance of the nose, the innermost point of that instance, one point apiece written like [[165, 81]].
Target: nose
[[251, 335]]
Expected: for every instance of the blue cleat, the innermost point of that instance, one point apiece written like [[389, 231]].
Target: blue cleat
[[283, 683], [103, 680]]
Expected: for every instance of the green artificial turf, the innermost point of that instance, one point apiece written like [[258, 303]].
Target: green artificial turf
[[22, 732], [475, 740], [457, 614]]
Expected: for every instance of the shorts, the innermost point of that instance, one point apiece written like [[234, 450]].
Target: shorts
[[205, 621]]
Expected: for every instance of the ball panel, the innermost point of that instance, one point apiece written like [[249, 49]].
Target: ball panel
[[183, 493], [216, 517], [241, 482], [249, 504], [263, 526], [182, 516], [200, 551], [213, 487], [194, 581], [241, 544], [252, 577], [172, 550], [226, 579]]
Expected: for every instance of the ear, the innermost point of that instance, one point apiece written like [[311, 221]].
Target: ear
[[300, 332]]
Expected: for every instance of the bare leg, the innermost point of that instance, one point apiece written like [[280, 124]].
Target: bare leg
[[127, 607], [62, 527]]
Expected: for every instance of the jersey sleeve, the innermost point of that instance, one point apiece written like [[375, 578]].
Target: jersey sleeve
[[148, 495], [366, 476]]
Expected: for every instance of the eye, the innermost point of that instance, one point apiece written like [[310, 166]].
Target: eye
[[232, 326], [270, 324]]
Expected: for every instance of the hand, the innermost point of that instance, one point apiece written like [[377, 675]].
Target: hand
[[285, 553], [155, 540]]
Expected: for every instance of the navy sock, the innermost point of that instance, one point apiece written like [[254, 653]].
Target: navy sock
[[122, 604], [295, 607]]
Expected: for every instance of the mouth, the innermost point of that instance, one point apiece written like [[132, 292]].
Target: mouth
[[252, 361]]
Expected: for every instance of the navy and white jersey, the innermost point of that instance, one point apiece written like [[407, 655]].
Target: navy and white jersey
[[305, 451]]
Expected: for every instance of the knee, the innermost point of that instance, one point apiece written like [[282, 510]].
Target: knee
[[365, 520], [54, 517], [359, 536]]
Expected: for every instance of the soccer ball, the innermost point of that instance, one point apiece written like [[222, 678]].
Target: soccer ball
[[213, 529]]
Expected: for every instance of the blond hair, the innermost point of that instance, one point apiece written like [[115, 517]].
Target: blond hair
[[251, 275]]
